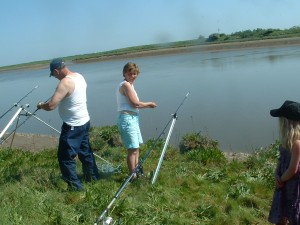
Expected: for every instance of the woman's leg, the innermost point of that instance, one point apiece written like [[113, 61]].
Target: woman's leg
[[132, 159], [137, 157]]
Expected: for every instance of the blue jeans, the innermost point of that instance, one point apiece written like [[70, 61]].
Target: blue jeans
[[74, 141]]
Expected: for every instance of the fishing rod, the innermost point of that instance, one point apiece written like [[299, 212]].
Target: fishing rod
[[108, 220], [174, 118], [16, 104], [14, 117], [32, 114]]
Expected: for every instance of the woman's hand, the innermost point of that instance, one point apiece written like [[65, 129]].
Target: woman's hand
[[279, 183], [152, 104]]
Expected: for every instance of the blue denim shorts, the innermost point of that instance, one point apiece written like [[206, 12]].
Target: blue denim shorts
[[129, 128]]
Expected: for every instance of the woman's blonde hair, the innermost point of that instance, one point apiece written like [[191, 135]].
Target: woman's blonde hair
[[131, 67], [289, 132]]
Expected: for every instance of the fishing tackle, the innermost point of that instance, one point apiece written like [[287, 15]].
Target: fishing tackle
[[105, 168], [16, 104], [18, 125]]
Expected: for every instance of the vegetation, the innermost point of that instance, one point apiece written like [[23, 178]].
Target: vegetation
[[256, 34], [194, 186], [247, 35]]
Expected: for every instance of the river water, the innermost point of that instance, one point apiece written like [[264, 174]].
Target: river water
[[230, 94]]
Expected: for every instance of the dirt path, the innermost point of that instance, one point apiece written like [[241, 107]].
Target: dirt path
[[31, 142], [35, 142]]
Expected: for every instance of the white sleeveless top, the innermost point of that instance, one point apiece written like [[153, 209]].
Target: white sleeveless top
[[73, 109], [123, 102]]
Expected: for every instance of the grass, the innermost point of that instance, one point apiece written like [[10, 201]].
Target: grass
[[191, 188]]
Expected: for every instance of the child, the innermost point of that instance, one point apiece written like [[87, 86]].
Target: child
[[285, 208]]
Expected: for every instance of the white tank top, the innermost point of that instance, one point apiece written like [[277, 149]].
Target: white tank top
[[73, 109], [123, 102]]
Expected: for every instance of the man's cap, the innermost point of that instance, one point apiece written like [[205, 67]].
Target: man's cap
[[57, 63], [289, 110]]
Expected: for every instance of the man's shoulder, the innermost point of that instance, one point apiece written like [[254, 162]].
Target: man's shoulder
[[75, 74], [79, 75]]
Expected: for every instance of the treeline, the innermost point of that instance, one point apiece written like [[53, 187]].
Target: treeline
[[247, 35], [256, 34]]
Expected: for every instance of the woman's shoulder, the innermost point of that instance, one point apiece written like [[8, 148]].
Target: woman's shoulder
[[126, 85], [296, 146], [123, 82]]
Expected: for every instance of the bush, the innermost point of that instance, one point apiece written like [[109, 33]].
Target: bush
[[106, 135], [192, 141], [206, 156], [262, 163], [213, 37]]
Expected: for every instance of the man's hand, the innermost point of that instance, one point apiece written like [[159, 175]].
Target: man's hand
[[40, 105]]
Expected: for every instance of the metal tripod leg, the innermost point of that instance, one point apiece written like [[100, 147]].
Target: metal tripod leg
[[11, 121], [13, 137], [164, 149], [31, 114]]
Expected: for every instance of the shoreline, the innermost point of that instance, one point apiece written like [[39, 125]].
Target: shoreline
[[211, 47], [31, 142], [40, 142]]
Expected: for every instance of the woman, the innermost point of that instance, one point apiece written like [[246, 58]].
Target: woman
[[128, 119], [285, 207]]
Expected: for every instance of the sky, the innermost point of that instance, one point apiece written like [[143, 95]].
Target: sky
[[33, 30]]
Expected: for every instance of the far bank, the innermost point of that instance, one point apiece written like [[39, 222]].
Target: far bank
[[198, 48], [209, 47]]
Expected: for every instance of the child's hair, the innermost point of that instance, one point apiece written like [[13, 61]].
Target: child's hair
[[289, 132], [131, 67]]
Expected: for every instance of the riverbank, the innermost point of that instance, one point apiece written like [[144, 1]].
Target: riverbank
[[37, 142], [209, 47], [31, 142], [198, 48]]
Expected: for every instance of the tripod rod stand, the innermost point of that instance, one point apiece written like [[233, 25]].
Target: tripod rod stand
[[17, 114]]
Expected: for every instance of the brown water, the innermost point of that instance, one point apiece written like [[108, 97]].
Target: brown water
[[231, 94]]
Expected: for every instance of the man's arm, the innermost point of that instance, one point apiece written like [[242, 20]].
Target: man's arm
[[64, 88]]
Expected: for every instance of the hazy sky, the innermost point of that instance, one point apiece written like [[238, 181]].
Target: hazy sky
[[33, 30]]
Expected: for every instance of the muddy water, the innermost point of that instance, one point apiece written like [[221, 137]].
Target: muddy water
[[231, 94]]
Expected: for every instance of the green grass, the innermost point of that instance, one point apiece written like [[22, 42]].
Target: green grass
[[203, 189]]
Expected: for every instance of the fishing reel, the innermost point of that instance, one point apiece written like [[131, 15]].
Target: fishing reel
[[107, 221]]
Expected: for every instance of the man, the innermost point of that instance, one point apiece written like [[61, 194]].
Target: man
[[70, 97]]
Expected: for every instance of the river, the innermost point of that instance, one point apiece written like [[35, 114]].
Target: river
[[230, 94]]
